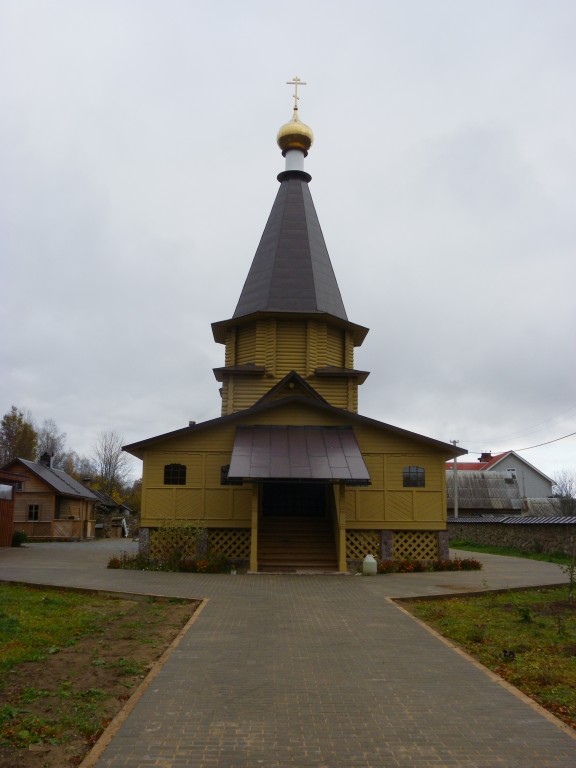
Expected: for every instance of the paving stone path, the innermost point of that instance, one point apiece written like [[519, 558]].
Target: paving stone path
[[313, 672]]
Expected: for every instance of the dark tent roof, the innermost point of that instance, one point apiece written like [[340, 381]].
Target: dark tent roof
[[291, 271]]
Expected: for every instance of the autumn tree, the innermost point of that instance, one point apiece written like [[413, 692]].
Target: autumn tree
[[133, 496], [111, 463], [18, 436], [79, 467]]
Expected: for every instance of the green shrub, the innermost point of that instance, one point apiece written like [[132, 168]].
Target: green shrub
[[19, 538]]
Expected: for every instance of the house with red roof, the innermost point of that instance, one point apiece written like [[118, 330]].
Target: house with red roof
[[504, 483]]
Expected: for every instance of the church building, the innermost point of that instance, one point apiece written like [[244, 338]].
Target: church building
[[290, 477]]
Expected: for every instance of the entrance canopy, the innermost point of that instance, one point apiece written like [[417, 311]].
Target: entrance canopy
[[329, 454]]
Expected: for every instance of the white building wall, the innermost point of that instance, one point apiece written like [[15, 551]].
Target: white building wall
[[531, 483]]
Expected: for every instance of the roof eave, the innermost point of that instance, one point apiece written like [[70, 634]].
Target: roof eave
[[219, 328]]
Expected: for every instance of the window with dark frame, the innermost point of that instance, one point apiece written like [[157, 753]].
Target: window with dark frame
[[174, 474], [33, 512], [413, 477]]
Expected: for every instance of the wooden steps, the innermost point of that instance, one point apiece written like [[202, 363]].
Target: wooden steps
[[291, 544]]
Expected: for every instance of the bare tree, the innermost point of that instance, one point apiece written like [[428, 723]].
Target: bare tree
[[565, 492], [80, 467], [112, 465], [52, 441]]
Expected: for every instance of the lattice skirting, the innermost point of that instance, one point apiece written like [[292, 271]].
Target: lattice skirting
[[362, 543], [165, 541], [416, 545], [232, 542]]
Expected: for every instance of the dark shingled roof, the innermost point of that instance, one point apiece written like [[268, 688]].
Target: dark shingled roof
[[291, 271], [59, 480]]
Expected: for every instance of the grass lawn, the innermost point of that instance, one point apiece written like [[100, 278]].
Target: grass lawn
[[68, 663], [527, 637], [469, 546]]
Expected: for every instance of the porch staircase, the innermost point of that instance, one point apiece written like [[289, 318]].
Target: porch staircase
[[293, 544]]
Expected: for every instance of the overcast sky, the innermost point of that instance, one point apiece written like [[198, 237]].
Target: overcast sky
[[138, 167]]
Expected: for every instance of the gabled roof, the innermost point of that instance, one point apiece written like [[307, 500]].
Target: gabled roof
[[292, 384], [57, 479], [483, 466], [305, 400], [104, 499]]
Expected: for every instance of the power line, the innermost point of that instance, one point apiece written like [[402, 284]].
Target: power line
[[539, 445], [520, 432], [556, 439]]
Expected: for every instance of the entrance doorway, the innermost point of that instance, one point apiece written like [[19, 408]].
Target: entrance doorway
[[296, 530], [294, 500]]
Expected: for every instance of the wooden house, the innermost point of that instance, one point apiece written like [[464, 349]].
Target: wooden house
[[49, 504], [290, 476]]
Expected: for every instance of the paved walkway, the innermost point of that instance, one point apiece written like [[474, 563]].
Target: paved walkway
[[312, 672]]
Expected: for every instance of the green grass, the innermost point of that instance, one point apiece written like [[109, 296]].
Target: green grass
[[35, 624], [73, 693], [469, 546], [528, 637]]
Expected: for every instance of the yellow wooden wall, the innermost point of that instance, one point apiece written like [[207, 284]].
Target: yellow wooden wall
[[203, 499], [385, 504], [282, 345]]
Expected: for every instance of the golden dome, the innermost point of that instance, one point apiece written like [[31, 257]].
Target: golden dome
[[295, 135]]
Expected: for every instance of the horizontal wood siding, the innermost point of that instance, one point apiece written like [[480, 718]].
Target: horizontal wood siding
[[434, 467], [192, 462], [230, 353], [247, 390], [290, 347], [334, 351], [246, 345], [385, 504], [45, 501], [202, 499], [264, 335], [335, 391], [349, 350], [315, 345], [32, 483]]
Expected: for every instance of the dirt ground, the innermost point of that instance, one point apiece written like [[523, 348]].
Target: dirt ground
[[85, 685]]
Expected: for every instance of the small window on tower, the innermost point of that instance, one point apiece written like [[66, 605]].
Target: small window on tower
[[175, 474], [413, 477]]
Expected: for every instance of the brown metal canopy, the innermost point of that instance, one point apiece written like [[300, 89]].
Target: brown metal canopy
[[297, 453]]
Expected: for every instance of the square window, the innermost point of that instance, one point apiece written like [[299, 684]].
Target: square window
[[175, 474], [413, 477]]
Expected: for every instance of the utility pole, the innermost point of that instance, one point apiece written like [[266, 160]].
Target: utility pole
[[455, 476]]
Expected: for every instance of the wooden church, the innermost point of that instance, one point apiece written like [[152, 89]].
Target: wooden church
[[290, 477]]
